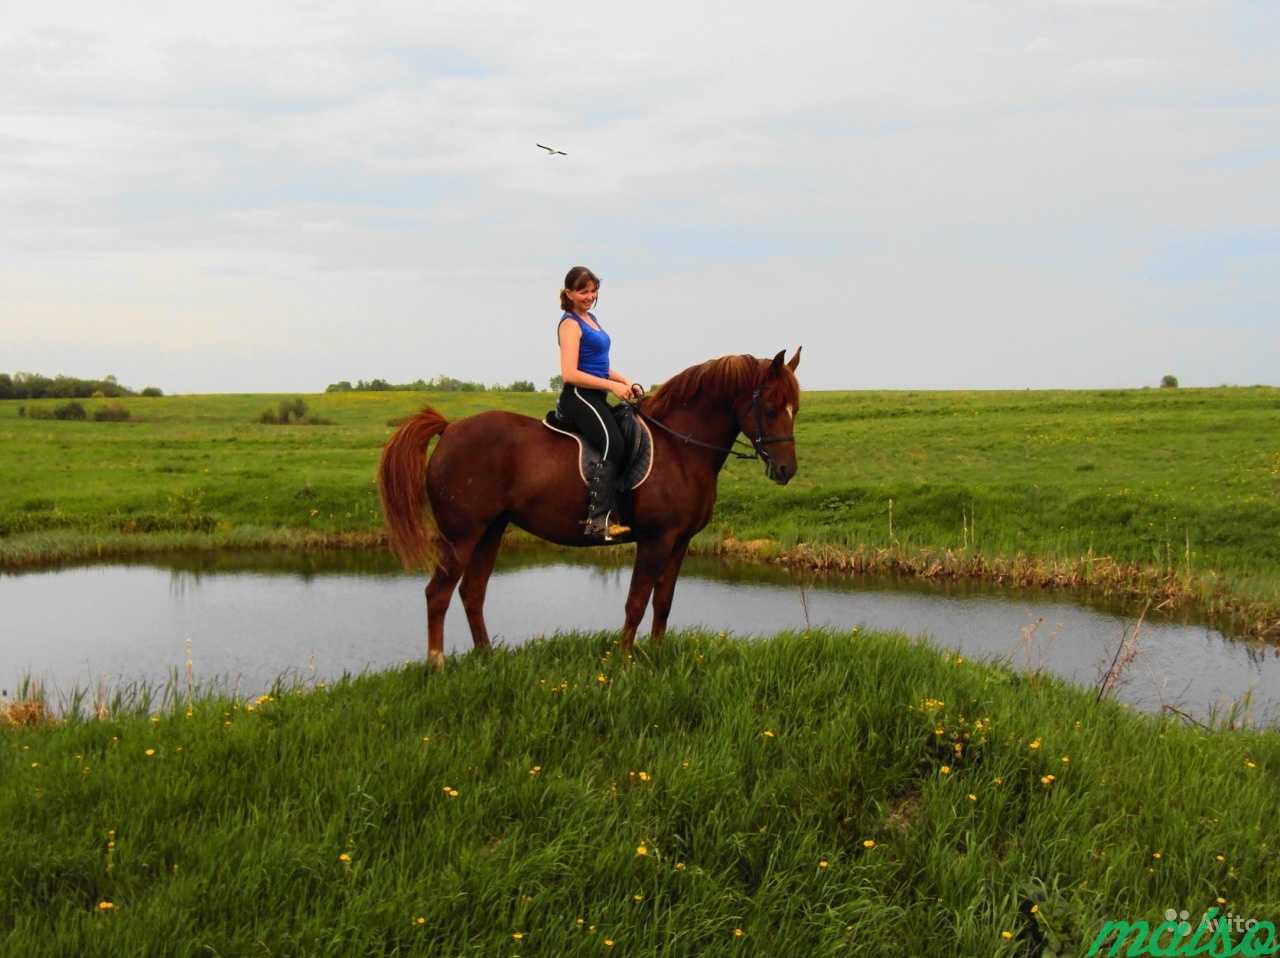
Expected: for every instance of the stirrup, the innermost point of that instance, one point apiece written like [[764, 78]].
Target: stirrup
[[601, 526]]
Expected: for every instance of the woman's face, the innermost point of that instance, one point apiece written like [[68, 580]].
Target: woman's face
[[583, 299]]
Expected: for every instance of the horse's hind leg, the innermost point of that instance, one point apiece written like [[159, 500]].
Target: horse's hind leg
[[476, 581], [440, 592]]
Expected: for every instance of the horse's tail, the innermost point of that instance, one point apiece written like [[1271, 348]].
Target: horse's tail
[[402, 487]]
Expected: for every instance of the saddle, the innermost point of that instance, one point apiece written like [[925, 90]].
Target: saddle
[[637, 444]]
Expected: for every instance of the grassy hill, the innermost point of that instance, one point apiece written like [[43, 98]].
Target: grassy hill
[[811, 794]]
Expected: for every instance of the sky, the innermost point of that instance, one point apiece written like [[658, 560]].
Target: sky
[[275, 196]]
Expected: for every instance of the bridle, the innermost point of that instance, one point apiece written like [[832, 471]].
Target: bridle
[[758, 442]]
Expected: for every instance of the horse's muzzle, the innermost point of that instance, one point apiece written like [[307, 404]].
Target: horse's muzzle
[[779, 473]]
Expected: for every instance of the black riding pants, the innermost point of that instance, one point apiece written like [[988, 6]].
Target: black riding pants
[[593, 419]]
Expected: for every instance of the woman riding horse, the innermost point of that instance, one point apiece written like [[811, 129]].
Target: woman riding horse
[[447, 512], [584, 365]]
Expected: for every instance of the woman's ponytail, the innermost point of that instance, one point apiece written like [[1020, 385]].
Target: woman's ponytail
[[564, 300]]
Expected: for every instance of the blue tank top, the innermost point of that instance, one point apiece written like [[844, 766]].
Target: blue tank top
[[593, 348]]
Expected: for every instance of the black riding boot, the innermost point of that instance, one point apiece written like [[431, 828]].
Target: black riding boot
[[602, 501]]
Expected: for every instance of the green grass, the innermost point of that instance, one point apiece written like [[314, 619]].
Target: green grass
[[760, 761], [1185, 480]]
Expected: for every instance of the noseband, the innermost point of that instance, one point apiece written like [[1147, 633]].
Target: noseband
[[758, 442]]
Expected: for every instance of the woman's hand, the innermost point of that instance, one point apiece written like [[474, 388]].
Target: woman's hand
[[621, 390]]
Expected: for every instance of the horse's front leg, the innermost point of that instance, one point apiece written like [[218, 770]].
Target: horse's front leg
[[666, 588], [651, 559]]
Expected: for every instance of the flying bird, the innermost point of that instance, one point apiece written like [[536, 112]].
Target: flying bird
[[552, 152]]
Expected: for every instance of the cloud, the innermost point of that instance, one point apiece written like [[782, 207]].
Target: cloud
[[229, 182]]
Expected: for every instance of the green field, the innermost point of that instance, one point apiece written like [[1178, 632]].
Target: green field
[[812, 794], [1178, 489]]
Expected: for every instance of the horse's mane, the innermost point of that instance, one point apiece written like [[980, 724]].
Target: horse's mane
[[719, 378]]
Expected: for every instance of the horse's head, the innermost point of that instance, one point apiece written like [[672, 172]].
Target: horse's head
[[767, 415]]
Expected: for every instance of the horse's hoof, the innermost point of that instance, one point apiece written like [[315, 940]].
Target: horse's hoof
[[435, 661]]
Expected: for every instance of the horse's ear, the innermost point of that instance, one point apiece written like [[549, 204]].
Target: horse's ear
[[794, 361], [776, 365]]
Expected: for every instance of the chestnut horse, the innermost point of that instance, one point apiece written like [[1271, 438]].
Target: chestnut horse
[[495, 468]]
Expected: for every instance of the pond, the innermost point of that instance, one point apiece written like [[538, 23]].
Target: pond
[[251, 617]]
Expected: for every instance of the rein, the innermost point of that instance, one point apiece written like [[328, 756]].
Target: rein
[[758, 442]]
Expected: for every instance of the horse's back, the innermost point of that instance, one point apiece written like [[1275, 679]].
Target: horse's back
[[509, 447]]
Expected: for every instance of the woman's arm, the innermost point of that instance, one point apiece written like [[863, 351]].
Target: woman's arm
[[570, 336], [617, 377]]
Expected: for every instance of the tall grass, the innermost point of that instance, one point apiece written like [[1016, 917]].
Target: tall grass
[[815, 793]]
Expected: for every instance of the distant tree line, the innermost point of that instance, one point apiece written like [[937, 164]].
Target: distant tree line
[[35, 386], [438, 384]]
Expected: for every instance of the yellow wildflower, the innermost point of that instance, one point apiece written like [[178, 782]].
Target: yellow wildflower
[[869, 843], [945, 770], [420, 920], [1157, 855], [637, 897], [517, 936], [1033, 744], [105, 906], [1006, 935], [738, 933], [972, 797], [344, 857], [643, 776], [641, 851], [608, 942], [1221, 858], [768, 734], [535, 770], [823, 863], [679, 866], [1066, 760], [150, 752]]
